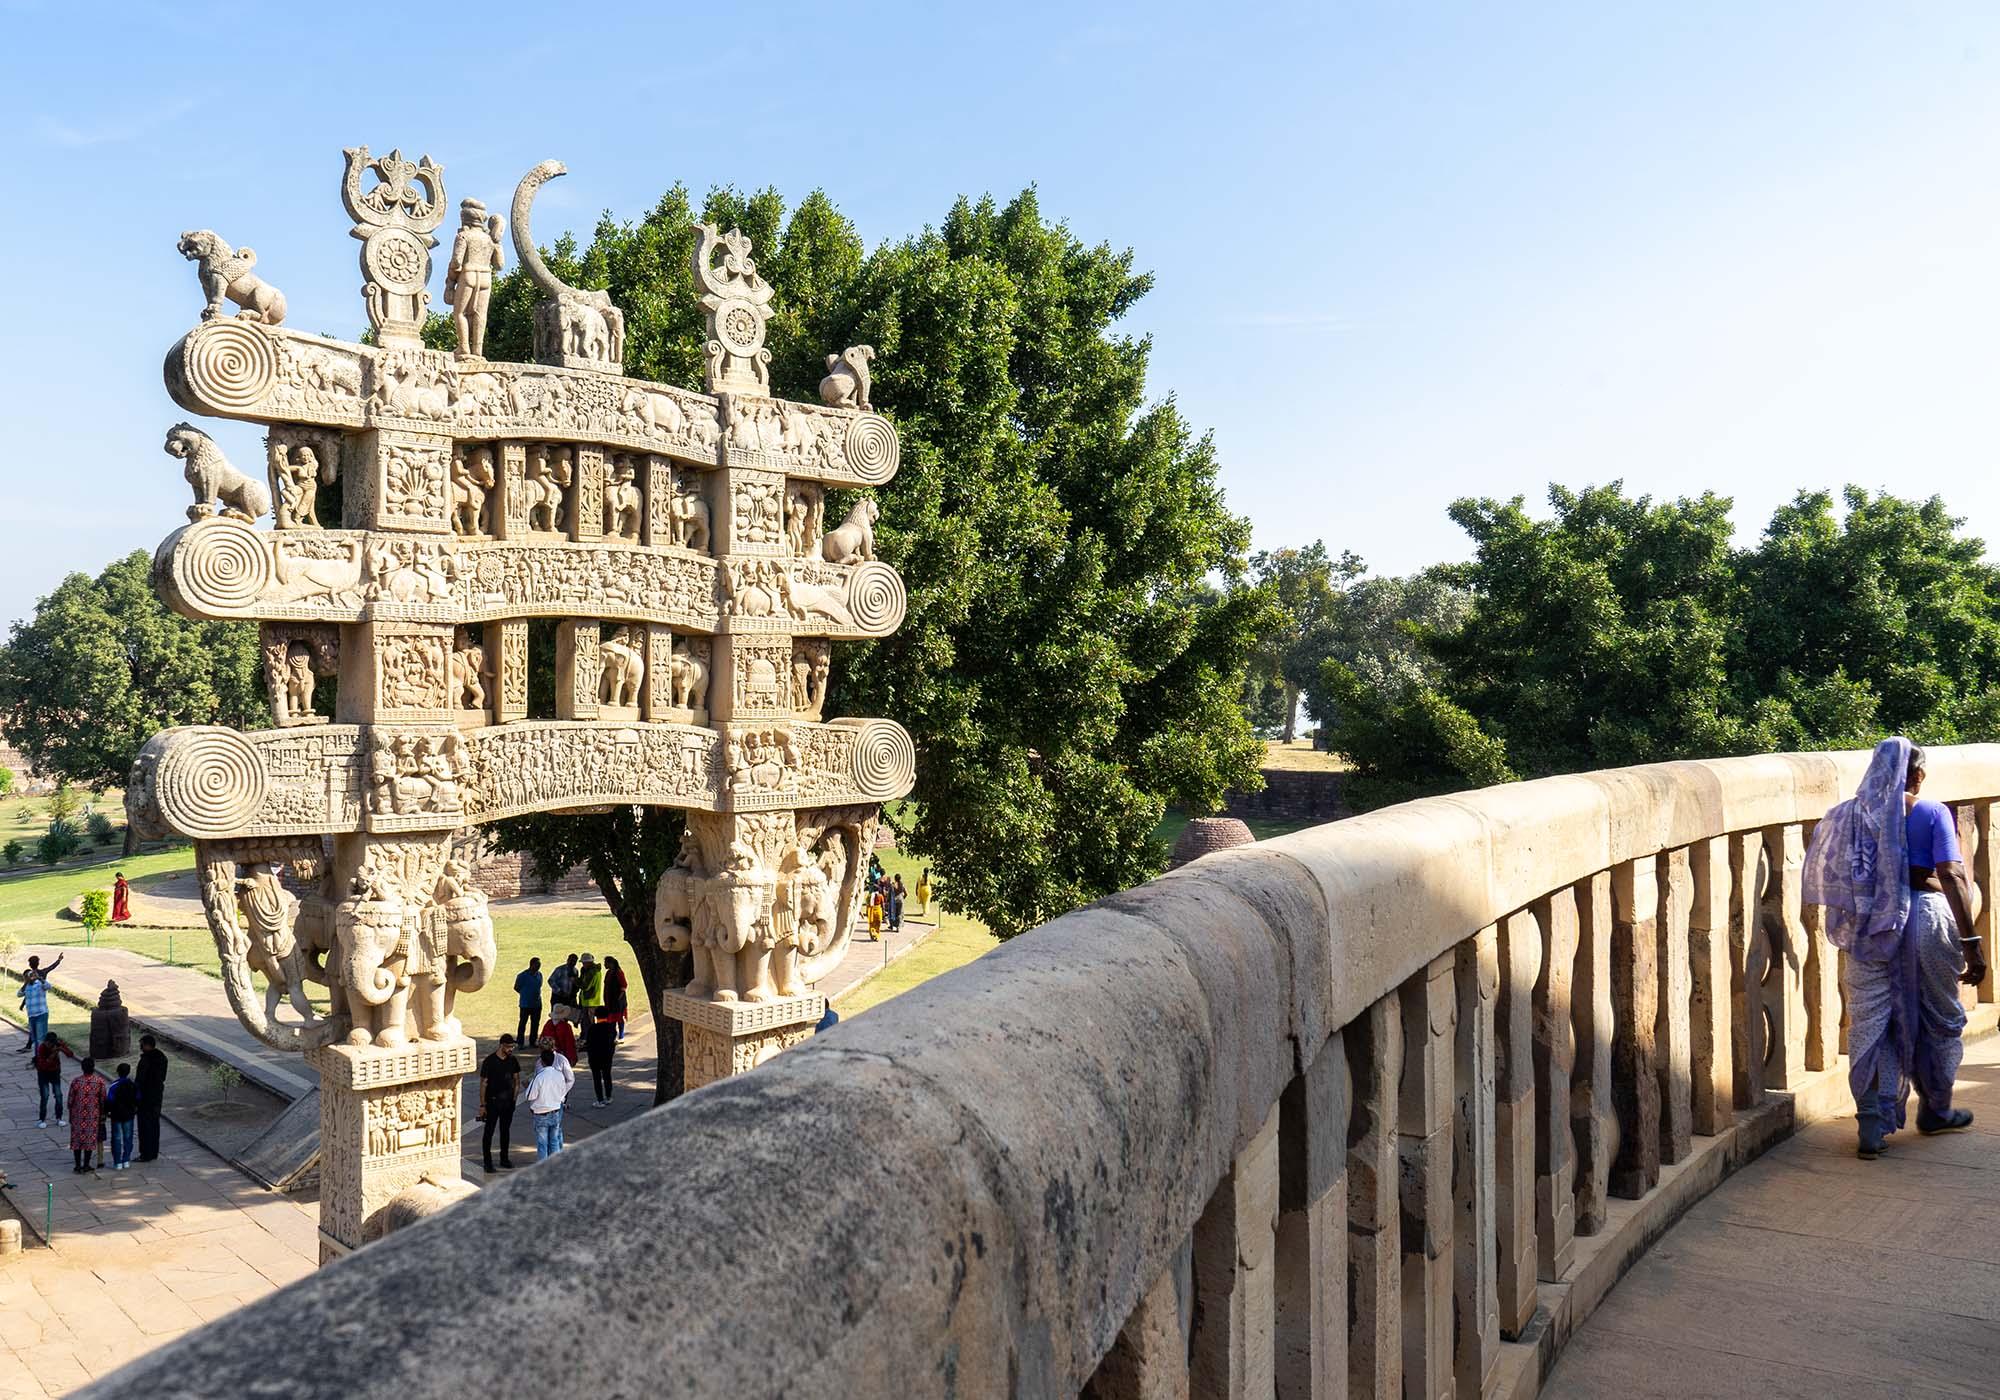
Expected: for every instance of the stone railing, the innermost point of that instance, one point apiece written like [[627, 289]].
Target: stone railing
[[1379, 1108]]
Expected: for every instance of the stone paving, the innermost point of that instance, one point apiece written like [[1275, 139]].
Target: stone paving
[[1814, 1274], [137, 1257]]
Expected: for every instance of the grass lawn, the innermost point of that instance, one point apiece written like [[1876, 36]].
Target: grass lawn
[[1300, 756], [26, 819]]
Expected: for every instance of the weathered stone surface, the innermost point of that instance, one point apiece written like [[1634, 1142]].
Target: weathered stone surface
[[1475, 1305], [1312, 1228], [1374, 1219], [1748, 961], [1711, 1047], [1781, 977], [1515, 1116], [1592, 1120], [1672, 1040], [1635, 1084], [1232, 1345], [1555, 1060], [1149, 1361], [1428, 1107]]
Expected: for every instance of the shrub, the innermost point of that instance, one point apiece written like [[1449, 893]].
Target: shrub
[[100, 828], [64, 804], [13, 851], [96, 909], [59, 843], [6, 780], [225, 1078]]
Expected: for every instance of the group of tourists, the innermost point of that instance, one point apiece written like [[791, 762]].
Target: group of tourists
[[884, 896], [122, 1113], [1886, 866], [582, 992]]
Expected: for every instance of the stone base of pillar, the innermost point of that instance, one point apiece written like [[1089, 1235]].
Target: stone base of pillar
[[722, 1038], [387, 1120]]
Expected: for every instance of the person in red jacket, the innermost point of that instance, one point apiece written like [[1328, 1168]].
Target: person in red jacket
[[557, 1036], [48, 1077]]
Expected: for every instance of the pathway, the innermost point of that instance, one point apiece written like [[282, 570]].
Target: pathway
[[1811, 1273], [138, 1256]]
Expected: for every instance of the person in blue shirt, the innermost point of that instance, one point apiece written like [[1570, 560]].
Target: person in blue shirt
[[528, 991], [1940, 952], [34, 998]]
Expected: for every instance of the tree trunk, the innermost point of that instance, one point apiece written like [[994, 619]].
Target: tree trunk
[[131, 841], [658, 969], [1291, 711]]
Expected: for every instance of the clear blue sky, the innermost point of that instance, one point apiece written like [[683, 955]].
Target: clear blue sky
[[1404, 252]]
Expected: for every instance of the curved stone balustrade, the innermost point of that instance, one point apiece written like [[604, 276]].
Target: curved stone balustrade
[[1347, 1112]]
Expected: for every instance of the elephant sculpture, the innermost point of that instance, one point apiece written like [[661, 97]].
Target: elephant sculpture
[[470, 949], [371, 938]]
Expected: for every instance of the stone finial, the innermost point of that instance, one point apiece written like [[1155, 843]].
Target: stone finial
[[575, 327], [108, 999], [225, 275], [394, 218], [738, 303]]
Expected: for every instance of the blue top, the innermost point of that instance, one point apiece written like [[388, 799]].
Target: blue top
[[529, 985], [1932, 834]]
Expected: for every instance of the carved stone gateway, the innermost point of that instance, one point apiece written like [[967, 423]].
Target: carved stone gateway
[[677, 539]]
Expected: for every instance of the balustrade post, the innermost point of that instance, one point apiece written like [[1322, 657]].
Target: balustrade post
[[1969, 843], [1430, 1014], [1711, 1048], [1635, 989], [1595, 1019], [1312, 1229], [1555, 1056], [1671, 1038], [1149, 1361], [1820, 982], [1781, 979], [1374, 1213], [1232, 1346], [1983, 872], [1475, 1294], [1514, 1117], [1749, 1030]]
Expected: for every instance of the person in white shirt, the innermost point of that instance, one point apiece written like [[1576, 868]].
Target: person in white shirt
[[546, 1092]]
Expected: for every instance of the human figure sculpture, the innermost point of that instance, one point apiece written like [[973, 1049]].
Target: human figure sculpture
[[219, 489], [622, 503], [295, 687], [298, 474], [268, 911], [472, 477], [622, 670], [846, 382], [468, 281], [225, 274], [547, 478]]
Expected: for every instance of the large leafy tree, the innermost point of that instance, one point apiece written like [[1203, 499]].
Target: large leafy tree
[[104, 663], [1067, 666], [1304, 588]]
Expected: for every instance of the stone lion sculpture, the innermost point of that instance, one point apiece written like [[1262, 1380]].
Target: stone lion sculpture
[[219, 489], [225, 272], [853, 541]]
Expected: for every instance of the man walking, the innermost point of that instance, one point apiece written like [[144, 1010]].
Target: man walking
[[35, 999], [528, 991], [152, 1094], [546, 1092], [499, 1078]]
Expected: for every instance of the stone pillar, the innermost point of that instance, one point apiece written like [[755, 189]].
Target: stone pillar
[[1312, 1229], [587, 513], [578, 670], [1781, 976], [507, 657], [1670, 1025], [656, 480], [1427, 1109], [1515, 1115], [1231, 1347], [1635, 991], [721, 1038], [1986, 879], [1710, 1049], [1374, 1241], [510, 509], [1475, 1305], [1591, 1014], [1746, 967], [1555, 1059], [388, 1118], [1149, 1361]]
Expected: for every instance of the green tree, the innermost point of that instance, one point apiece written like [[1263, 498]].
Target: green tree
[[95, 910], [1405, 742], [1065, 666], [6, 780], [1892, 601], [1379, 630], [1304, 588], [104, 664]]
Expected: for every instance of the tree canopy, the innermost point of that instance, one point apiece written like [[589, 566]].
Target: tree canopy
[[104, 663], [1623, 630]]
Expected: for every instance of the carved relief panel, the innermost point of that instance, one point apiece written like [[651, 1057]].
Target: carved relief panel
[[756, 512], [300, 460], [578, 670], [587, 522], [507, 654], [408, 478], [296, 655]]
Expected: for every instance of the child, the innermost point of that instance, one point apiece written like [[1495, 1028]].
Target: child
[[121, 1105]]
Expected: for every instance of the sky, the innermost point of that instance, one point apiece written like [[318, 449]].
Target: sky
[[1404, 253]]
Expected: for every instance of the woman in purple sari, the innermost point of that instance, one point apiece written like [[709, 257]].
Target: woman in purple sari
[[1886, 866]]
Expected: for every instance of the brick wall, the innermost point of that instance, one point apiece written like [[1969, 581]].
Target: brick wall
[[510, 875], [1290, 796]]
